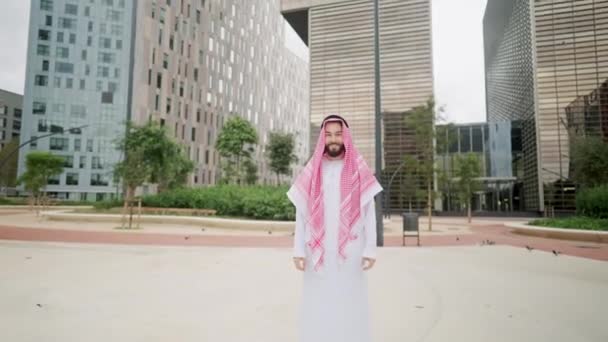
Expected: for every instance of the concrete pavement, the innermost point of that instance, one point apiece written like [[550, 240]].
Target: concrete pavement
[[92, 292]]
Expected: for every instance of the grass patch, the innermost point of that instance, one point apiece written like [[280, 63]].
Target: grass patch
[[575, 222]]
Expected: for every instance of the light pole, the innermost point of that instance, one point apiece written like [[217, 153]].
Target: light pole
[[379, 204], [71, 130]]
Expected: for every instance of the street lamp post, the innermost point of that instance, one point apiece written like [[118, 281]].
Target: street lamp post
[[379, 204], [73, 129]]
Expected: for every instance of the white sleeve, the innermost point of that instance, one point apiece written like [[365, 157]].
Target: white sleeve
[[299, 240], [370, 231]]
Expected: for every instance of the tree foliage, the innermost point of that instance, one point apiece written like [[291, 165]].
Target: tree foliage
[[421, 120], [280, 152], [590, 160], [150, 155], [232, 145], [467, 171], [39, 168]]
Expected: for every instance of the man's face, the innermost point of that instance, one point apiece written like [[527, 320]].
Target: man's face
[[334, 145]]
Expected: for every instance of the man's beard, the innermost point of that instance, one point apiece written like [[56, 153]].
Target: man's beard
[[333, 153]]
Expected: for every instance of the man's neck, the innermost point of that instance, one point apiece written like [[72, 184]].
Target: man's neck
[[341, 156]]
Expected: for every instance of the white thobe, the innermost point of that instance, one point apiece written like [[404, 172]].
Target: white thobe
[[334, 299]]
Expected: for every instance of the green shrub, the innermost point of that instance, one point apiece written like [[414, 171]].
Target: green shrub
[[575, 222], [107, 204], [257, 202], [593, 202]]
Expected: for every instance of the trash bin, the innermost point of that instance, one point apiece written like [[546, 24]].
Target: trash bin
[[410, 224]]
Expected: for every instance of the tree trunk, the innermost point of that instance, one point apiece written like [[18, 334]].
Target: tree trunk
[[469, 211], [278, 180], [127, 200], [430, 205]]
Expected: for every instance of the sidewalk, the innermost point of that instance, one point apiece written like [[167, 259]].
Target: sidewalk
[[98, 293]]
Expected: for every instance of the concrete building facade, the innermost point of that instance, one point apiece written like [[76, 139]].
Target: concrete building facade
[[11, 109], [187, 64]]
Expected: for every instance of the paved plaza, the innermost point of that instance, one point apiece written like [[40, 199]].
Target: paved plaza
[[180, 285]]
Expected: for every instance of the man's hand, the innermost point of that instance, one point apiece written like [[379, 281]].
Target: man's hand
[[367, 263], [299, 263]]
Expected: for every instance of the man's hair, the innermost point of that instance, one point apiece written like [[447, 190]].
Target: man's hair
[[334, 118]]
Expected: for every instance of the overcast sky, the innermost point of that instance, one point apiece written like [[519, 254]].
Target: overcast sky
[[457, 50]]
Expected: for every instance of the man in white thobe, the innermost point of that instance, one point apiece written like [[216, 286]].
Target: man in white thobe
[[335, 238]]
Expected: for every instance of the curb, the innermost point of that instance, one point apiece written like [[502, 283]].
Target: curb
[[559, 233], [283, 226]]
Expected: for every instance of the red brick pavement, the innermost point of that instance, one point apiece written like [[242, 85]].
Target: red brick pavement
[[497, 234]]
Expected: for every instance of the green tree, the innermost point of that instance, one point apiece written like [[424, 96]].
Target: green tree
[[165, 157], [232, 141], [590, 160], [280, 152], [421, 120], [467, 171], [251, 171], [150, 155], [39, 168], [8, 173]]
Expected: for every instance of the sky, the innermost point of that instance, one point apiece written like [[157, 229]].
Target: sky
[[458, 62]]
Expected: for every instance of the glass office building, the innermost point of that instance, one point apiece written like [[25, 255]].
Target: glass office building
[[340, 35], [546, 64]]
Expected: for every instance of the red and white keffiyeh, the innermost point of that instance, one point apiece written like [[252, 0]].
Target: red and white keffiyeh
[[358, 186]]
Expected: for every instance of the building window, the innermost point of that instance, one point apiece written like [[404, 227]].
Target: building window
[[165, 61], [48, 20], [77, 144], [46, 5], [42, 50], [42, 125], [17, 112], [107, 97], [67, 23], [39, 108], [69, 83], [71, 178], [59, 144], [44, 35], [66, 68], [34, 143], [83, 162], [159, 80], [68, 161], [118, 44], [41, 80], [97, 179], [72, 38], [96, 163], [193, 134], [62, 52], [71, 9], [53, 180], [45, 65], [105, 43]]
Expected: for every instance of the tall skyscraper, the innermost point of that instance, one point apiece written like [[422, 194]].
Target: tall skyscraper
[[340, 36], [546, 62], [187, 64]]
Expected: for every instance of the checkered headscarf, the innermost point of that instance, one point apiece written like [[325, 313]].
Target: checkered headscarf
[[358, 186]]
